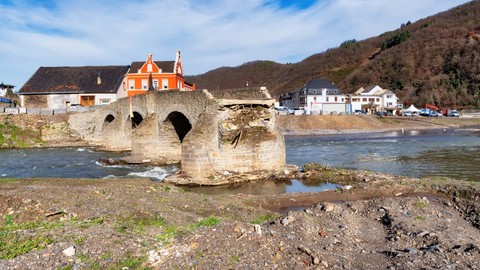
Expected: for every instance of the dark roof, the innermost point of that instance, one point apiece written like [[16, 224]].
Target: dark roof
[[6, 86], [69, 80], [314, 87], [165, 66], [320, 83]]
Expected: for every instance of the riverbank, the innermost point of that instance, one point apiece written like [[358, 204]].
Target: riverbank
[[375, 221], [343, 124]]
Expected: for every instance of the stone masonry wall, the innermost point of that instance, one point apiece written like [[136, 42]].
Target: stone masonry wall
[[155, 142], [234, 140]]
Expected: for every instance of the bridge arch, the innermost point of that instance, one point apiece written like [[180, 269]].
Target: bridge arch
[[181, 124], [107, 120], [136, 118]]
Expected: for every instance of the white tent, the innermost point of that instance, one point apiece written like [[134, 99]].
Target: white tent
[[412, 109]]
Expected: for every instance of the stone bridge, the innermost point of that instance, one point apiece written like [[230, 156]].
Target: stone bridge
[[211, 134]]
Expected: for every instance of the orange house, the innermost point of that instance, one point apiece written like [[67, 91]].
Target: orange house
[[156, 75]]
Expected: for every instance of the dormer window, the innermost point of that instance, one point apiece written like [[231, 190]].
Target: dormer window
[[314, 91]]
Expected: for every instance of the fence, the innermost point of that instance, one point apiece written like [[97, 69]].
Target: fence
[[45, 111]]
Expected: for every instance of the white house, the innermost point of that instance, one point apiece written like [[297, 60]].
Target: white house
[[4, 88], [373, 99], [61, 87], [318, 96]]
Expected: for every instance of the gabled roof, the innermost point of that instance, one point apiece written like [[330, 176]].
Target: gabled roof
[[73, 80], [165, 66]]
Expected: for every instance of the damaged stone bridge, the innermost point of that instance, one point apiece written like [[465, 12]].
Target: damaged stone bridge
[[212, 134]]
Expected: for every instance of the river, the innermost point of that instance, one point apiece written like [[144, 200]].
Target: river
[[416, 153]]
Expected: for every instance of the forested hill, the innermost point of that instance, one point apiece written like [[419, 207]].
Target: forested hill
[[434, 60]]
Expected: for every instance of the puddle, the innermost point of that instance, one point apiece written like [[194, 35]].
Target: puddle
[[264, 188]]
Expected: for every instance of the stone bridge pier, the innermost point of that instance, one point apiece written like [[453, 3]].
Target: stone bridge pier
[[217, 137]]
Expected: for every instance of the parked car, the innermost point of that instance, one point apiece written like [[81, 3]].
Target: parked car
[[359, 112], [284, 109], [453, 113], [436, 114]]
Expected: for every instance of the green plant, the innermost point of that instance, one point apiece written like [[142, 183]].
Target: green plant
[[421, 204], [168, 234], [13, 245], [395, 40], [263, 218], [9, 220], [420, 218], [80, 240], [8, 180], [235, 258], [206, 222], [349, 44], [199, 254], [167, 189], [130, 262], [139, 224]]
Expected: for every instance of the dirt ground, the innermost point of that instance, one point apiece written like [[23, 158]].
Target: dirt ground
[[373, 221], [381, 222]]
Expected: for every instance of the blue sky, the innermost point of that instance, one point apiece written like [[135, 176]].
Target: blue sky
[[210, 34]]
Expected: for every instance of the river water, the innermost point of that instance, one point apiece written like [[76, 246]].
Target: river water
[[451, 153], [416, 153]]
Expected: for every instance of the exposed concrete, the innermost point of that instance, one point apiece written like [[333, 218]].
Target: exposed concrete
[[214, 139]]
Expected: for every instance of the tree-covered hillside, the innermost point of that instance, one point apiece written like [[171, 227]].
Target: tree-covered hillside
[[434, 60]]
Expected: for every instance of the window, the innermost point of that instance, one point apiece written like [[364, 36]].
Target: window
[[364, 99], [164, 83], [336, 98], [314, 98], [149, 68], [327, 99], [104, 101], [131, 84], [389, 96], [378, 99], [155, 84], [145, 84]]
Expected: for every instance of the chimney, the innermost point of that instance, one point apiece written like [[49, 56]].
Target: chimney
[[99, 78]]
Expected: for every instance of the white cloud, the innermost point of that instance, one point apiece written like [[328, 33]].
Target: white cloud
[[210, 34]]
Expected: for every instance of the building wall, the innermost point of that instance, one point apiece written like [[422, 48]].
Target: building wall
[[325, 104], [105, 99]]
